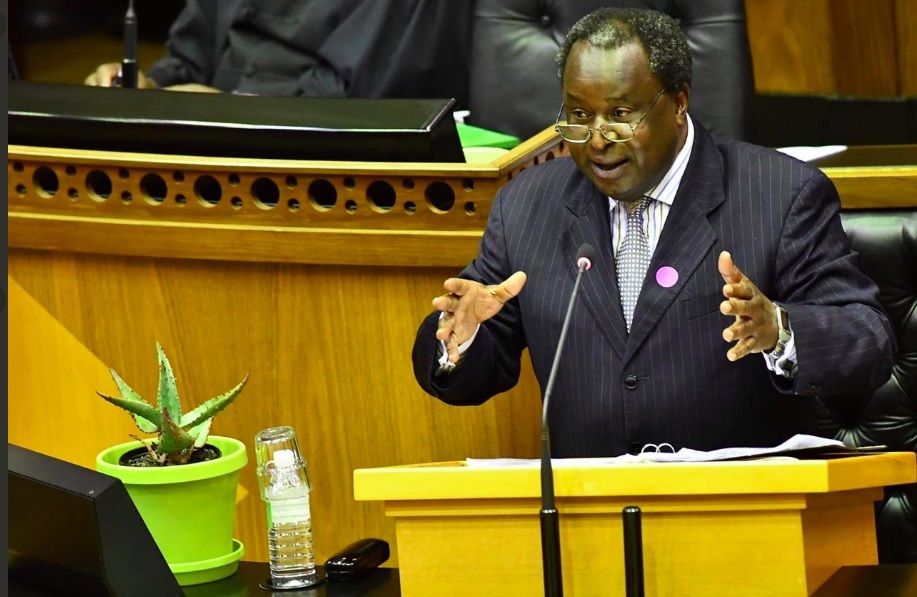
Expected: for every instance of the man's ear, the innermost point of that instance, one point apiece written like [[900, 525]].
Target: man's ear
[[682, 99]]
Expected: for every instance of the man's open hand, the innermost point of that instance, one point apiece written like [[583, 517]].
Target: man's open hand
[[467, 304], [755, 327]]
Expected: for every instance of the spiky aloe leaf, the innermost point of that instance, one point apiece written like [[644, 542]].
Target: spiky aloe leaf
[[200, 433], [208, 409], [168, 391], [141, 408], [174, 441], [143, 424]]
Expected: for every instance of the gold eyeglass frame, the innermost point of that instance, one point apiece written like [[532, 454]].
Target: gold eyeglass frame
[[602, 129]]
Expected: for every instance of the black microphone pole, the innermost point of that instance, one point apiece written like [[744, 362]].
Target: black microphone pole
[[129, 68], [550, 529], [633, 552]]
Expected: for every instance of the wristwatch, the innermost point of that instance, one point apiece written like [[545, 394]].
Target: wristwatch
[[783, 330]]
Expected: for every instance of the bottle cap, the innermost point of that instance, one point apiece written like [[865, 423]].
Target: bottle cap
[[284, 458]]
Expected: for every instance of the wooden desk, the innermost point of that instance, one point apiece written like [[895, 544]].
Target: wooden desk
[[756, 528], [889, 580], [868, 177]]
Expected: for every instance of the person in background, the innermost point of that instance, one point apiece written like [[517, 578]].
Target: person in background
[[723, 295], [11, 65], [314, 48]]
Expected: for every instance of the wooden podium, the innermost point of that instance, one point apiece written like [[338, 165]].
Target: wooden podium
[[763, 527]]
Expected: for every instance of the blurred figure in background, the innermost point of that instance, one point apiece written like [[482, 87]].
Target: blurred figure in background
[[314, 48]]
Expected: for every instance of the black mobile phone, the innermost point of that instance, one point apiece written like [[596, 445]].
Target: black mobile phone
[[357, 560]]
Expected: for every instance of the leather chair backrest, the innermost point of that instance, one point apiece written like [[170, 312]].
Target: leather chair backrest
[[514, 86], [886, 244]]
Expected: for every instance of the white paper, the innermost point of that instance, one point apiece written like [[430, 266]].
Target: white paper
[[809, 153], [797, 442]]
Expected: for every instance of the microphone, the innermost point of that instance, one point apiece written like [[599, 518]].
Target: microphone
[[129, 70], [550, 530]]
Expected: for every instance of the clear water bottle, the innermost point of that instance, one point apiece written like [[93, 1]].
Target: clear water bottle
[[284, 481]]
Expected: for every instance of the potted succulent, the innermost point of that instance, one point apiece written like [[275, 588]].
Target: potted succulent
[[184, 480]]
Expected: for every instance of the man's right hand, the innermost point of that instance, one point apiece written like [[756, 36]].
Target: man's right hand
[[467, 304], [105, 76]]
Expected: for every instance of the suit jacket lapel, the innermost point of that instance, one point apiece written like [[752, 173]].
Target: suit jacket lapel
[[599, 287], [686, 237]]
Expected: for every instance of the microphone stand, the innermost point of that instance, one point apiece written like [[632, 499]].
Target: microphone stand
[[633, 552], [129, 69], [550, 528]]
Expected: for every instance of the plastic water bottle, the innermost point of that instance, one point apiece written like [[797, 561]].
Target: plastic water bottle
[[284, 481]]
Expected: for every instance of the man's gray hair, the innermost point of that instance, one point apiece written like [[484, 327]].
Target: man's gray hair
[[664, 42]]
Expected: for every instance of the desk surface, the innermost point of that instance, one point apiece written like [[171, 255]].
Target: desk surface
[[854, 581], [382, 582], [585, 479]]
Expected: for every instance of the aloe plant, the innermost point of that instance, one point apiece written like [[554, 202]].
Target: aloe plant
[[179, 435]]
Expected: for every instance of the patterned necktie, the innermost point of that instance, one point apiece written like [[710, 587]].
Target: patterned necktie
[[633, 260]]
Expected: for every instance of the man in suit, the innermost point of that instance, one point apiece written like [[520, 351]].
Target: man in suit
[[320, 48], [734, 302]]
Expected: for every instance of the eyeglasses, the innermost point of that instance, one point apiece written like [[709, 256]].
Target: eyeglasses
[[616, 132]]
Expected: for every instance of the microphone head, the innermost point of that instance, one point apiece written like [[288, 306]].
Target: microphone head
[[585, 256]]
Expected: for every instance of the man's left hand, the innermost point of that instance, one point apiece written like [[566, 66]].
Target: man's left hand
[[755, 327]]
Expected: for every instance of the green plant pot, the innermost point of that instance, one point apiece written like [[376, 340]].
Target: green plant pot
[[189, 509]]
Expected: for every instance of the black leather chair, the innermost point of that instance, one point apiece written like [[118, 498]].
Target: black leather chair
[[886, 241], [514, 86]]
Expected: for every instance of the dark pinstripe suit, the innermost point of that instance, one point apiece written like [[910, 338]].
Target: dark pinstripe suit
[[779, 219]]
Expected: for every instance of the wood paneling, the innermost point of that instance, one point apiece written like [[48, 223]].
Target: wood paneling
[[379, 213], [843, 47], [906, 23], [865, 55], [53, 407], [328, 349], [791, 46]]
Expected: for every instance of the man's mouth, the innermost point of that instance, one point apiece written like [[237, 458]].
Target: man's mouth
[[608, 169]]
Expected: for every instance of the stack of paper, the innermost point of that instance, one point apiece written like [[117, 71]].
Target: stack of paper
[[798, 446]]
